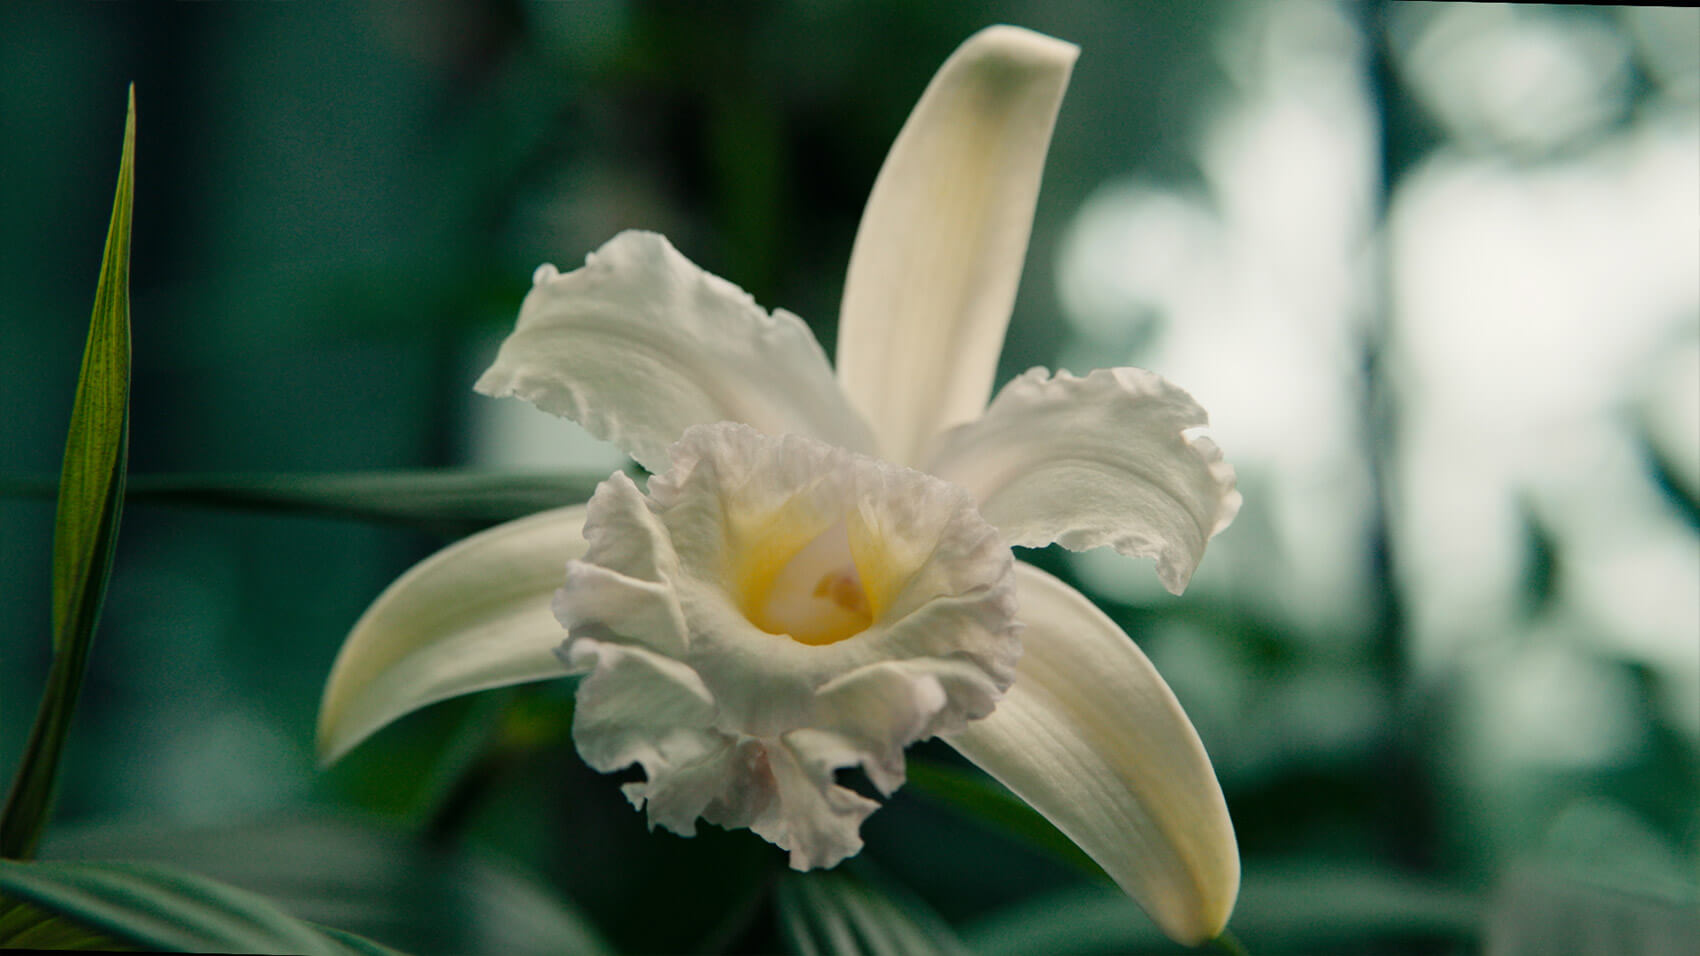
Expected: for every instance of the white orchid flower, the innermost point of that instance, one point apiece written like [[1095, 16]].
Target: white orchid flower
[[819, 573]]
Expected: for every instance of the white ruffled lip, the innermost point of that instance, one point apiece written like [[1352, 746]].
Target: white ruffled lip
[[746, 728]]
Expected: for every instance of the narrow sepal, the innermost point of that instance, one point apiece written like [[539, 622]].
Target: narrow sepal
[[473, 616], [1092, 737]]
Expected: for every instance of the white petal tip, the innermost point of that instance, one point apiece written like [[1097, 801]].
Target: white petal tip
[[545, 273], [474, 616], [1091, 737], [1019, 45]]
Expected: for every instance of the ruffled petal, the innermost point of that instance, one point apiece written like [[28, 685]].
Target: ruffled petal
[[641, 708], [473, 616], [1091, 737], [1115, 458], [813, 817], [866, 717], [625, 585], [939, 253], [936, 575], [749, 725], [640, 344]]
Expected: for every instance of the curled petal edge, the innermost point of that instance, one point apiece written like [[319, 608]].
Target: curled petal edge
[[1118, 458], [640, 344]]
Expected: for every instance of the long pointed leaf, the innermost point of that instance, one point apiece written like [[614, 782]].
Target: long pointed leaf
[[91, 497], [458, 500], [160, 907]]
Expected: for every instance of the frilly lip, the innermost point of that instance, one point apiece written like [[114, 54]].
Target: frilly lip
[[743, 727]]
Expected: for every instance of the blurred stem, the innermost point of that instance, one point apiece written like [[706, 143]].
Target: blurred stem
[[528, 724], [1407, 821], [1229, 945], [739, 918], [451, 815]]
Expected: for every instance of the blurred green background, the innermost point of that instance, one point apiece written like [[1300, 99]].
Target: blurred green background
[[1434, 269]]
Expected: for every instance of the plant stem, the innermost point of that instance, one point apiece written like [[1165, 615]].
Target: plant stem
[[1229, 945]]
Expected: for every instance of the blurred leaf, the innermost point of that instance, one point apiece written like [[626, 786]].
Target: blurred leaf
[[988, 801], [160, 907], [1603, 847], [1602, 881], [436, 499], [91, 498], [1541, 556], [23, 926], [839, 914], [1304, 908], [1542, 912], [377, 883], [1668, 476]]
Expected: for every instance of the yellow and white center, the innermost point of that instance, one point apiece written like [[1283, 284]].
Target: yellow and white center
[[815, 597]]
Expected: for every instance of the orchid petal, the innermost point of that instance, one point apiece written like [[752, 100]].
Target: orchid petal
[[473, 616], [640, 344], [935, 265], [1115, 458], [1091, 737]]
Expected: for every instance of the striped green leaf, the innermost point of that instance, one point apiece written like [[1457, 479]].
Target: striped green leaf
[[373, 880], [163, 908], [840, 914], [23, 926]]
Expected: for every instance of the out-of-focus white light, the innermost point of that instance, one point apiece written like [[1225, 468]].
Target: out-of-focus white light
[[1533, 308], [1135, 252], [1500, 75], [1545, 703], [1249, 291]]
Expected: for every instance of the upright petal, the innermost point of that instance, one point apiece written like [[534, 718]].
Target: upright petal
[[1091, 737], [1115, 458], [475, 615], [640, 344], [934, 269]]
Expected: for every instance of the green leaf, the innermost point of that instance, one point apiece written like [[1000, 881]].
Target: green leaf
[[375, 882], [840, 914], [1301, 908], [160, 907], [991, 803], [441, 500], [91, 482], [23, 926], [91, 498], [1551, 912]]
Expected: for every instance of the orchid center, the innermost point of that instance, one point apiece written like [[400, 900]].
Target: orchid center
[[817, 596]]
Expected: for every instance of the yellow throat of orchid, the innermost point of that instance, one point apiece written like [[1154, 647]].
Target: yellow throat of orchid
[[814, 586]]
